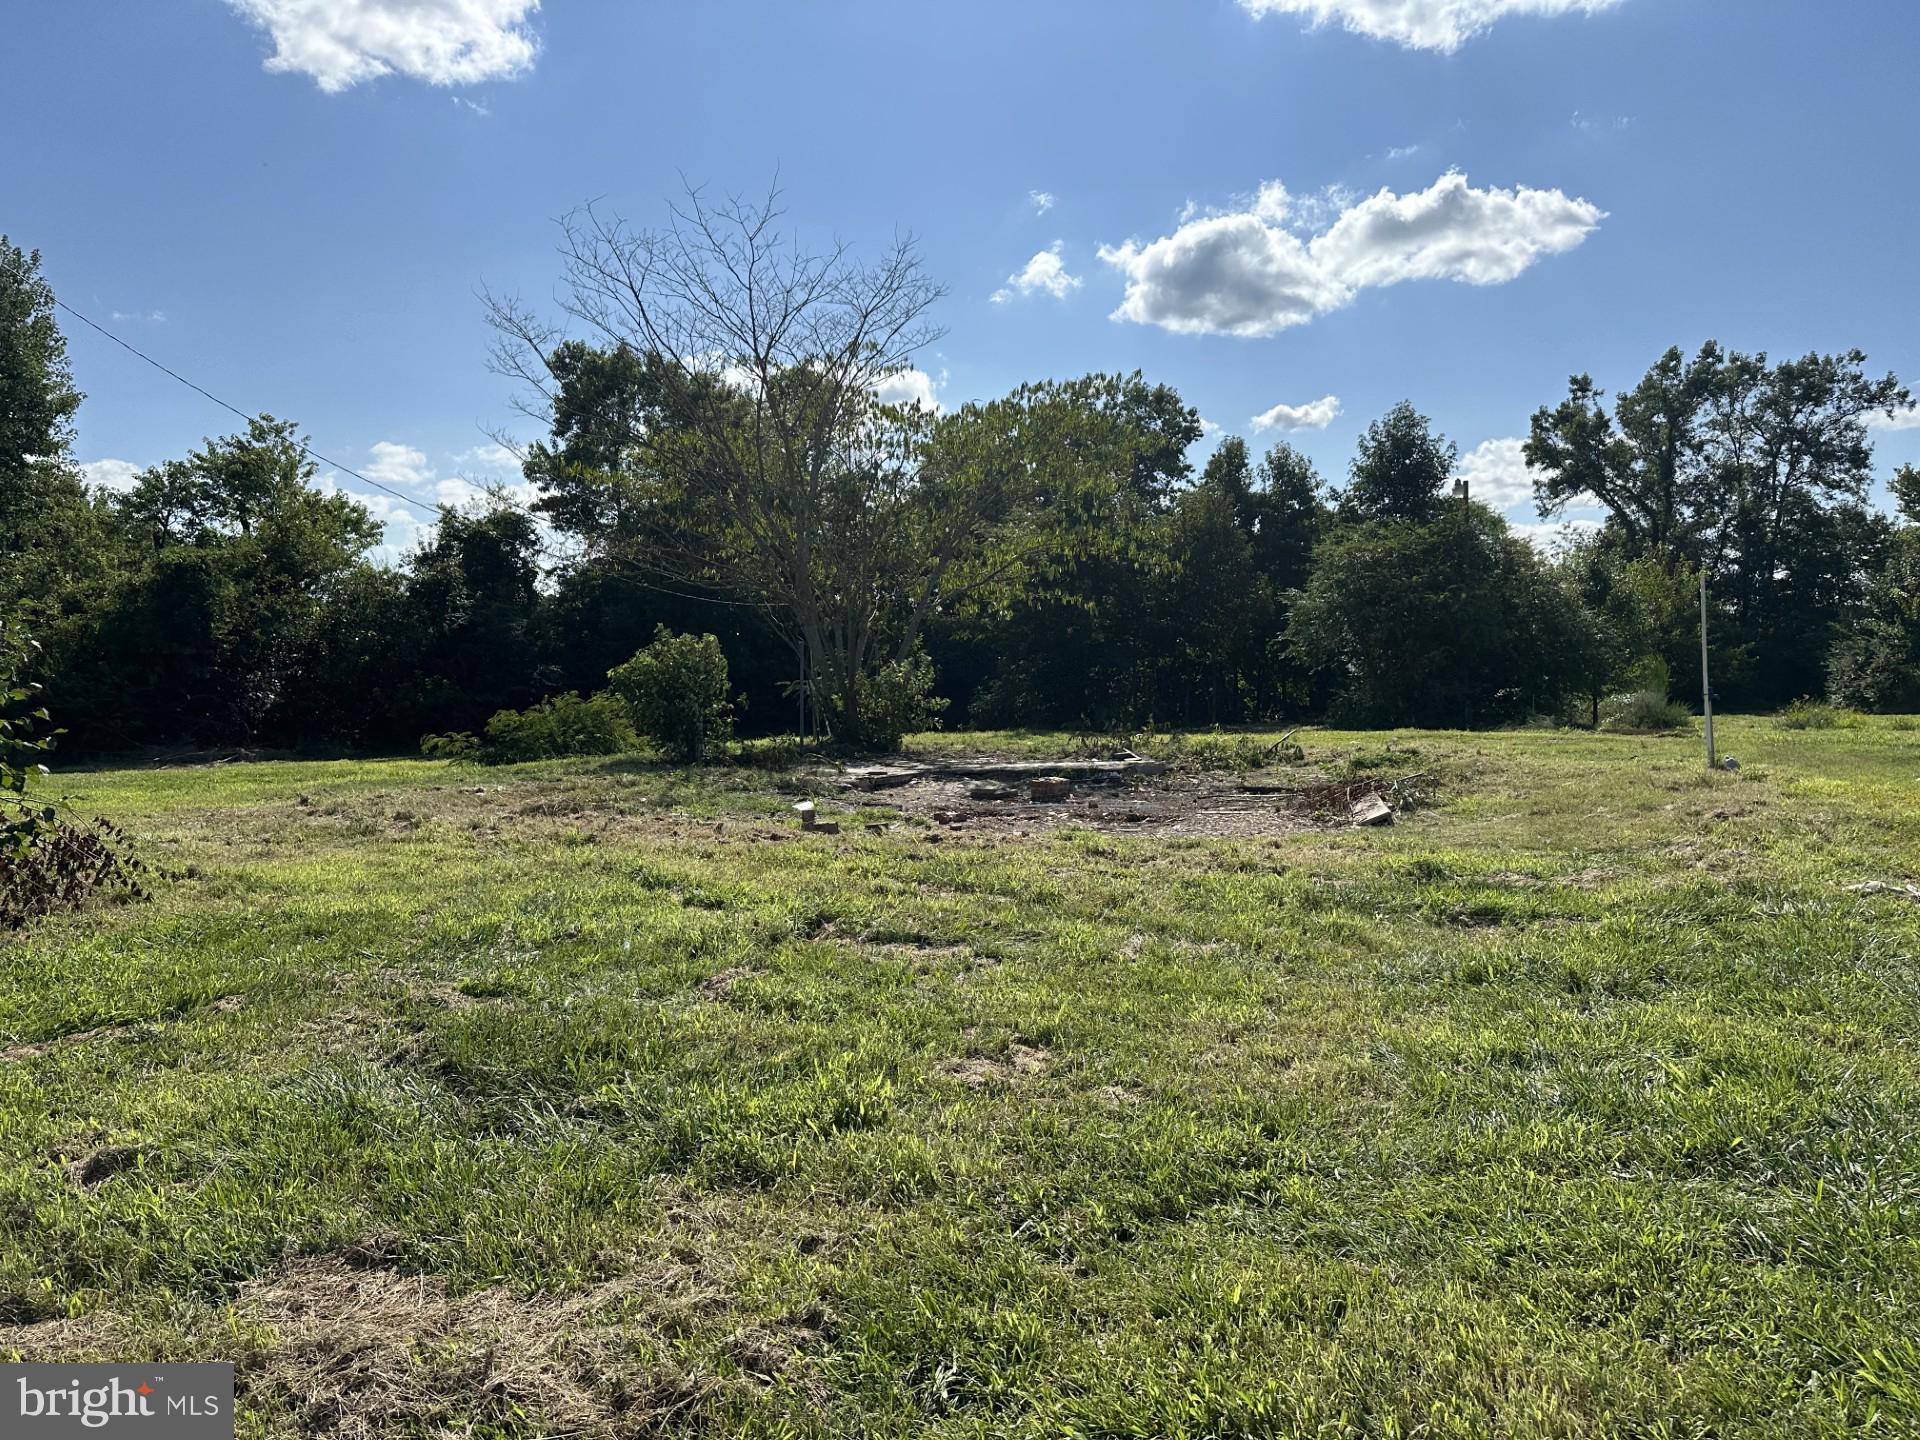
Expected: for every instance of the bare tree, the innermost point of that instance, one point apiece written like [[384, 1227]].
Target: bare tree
[[764, 467]]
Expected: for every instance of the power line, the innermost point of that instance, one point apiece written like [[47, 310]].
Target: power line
[[305, 448], [434, 510]]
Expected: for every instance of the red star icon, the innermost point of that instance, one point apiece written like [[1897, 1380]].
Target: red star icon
[[145, 1389]]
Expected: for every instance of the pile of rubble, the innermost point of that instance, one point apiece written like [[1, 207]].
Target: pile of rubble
[[1125, 792]]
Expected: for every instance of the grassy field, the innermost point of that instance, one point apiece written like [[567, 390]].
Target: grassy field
[[592, 1098]]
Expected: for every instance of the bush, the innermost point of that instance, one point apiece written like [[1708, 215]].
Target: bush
[[565, 725], [456, 745], [1806, 714], [47, 861], [1644, 710], [676, 693], [896, 701]]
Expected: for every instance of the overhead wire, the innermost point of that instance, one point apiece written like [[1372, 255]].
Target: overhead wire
[[308, 450]]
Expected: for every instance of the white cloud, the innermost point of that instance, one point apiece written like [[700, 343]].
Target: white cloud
[[149, 317], [1551, 537], [910, 387], [1245, 273], [1041, 200], [1044, 273], [1316, 415], [1211, 427], [1496, 473], [1451, 231], [1591, 123], [1223, 275], [492, 458], [110, 474], [1403, 152], [1908, 419], [340, 43], [399, 465], [1420, 24]]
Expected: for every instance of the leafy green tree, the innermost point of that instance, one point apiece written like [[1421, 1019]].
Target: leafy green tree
[[230, 558], [600, 400], [1646, 462], [1286, 515], [1400, 471], [50, 538], [1646, 616], [1070, 612], [1453, 623], [359, 672], [473, 600], [1759, 472], [1905, 486], [1217, 610], [1876, 661], [755, 459]]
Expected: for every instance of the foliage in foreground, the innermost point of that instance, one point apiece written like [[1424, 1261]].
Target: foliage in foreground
[[552, 729], [48, 861], [676, 691]]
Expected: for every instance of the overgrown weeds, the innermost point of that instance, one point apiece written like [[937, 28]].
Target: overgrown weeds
[[48, 861], [1810, 714]]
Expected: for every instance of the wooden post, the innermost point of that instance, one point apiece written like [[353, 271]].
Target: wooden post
[[1706, 679]]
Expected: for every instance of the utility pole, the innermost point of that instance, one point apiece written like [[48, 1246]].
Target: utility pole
[[1706, 680]]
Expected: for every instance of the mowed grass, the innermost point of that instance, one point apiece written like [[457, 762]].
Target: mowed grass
[[1585, 1103]]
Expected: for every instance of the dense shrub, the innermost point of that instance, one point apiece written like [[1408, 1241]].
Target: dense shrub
[[1644, 710], [677, 695], [564, 725], [896, 701], [1452, 623]]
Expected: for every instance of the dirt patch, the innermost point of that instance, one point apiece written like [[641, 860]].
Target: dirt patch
[[1021, 1062], [352, 1352], [94, 1169], [1263, 803], [720, 986]]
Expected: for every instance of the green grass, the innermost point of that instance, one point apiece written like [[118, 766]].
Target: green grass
[[1586, 1103]]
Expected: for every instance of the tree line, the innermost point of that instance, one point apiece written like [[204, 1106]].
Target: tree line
[[720, 455]]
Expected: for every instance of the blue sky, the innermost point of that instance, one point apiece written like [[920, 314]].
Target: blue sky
[[1273, 205]]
